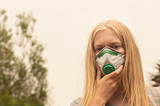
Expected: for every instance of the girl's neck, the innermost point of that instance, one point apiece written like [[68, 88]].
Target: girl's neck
[[118, 98]]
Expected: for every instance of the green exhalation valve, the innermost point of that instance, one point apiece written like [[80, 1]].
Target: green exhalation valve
[[108, 68]]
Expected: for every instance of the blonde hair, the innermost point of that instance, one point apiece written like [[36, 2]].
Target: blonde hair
[[132, 78]]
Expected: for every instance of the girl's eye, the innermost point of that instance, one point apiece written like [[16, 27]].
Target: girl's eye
[[99, 48], [115, 47]]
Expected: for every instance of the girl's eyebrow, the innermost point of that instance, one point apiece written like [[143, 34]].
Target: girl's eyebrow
[[98, 45], [116, 43]]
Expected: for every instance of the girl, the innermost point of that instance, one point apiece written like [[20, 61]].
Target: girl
[[123, 87]]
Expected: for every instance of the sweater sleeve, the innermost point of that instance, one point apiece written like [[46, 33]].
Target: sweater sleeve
[[76, 102], [154, 95]]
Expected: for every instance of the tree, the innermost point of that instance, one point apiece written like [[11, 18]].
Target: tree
[[156, 78], [22, 71]]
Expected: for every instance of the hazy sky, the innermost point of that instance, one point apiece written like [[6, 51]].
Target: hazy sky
[[64, 25]]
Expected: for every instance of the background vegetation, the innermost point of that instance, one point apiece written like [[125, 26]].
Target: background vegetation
[[22, 72]]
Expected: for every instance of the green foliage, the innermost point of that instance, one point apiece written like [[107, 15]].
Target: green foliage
[[8, 100], [22, 71]]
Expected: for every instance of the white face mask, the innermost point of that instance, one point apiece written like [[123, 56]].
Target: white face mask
[[109, 59]]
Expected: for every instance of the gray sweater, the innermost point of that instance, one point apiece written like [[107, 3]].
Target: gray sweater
[[152, 93]]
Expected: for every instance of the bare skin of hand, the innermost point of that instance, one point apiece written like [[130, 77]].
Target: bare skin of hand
[[106, 86]]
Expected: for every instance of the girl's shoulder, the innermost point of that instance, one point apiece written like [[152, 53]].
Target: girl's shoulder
[[78, 101]]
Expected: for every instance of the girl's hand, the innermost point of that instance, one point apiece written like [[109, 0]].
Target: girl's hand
[[106, 86]]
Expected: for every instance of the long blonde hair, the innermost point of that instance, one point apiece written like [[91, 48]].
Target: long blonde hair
[[132, 78]]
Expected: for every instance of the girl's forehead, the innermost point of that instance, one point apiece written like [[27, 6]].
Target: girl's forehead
[[107, 35]]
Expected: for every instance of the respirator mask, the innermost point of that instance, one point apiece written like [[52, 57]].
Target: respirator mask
[[109, 59]]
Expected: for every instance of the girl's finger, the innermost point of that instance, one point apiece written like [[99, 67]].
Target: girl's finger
[[116, 73], [119, 69]]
